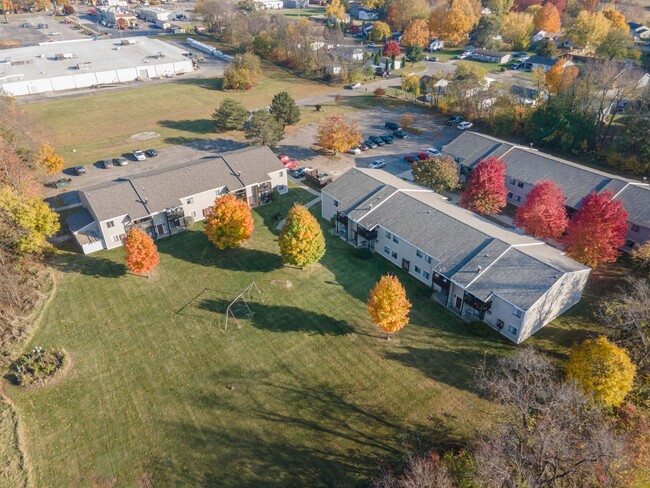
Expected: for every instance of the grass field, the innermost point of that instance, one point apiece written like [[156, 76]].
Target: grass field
[[305, 393]]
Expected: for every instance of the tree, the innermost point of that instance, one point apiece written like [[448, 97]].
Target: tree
[[616, 19], [380, 31], [602, 370], [543, 214], [486, 189], [49, 160], [560, 5], [500, 7], [548, 19], [616, 45], [588, 30], [487, 29], [550, 434], [263, 129], [284, 109], [335, 134], [439, 174], [231, 115], [391, 48], [547, 48], [597, 230], [416, 33], [411, 84], [141, 252], [641, 255], [229, 222], [469, 71], [401, 12], [243, 73], [388, 306], [301, 239], [517, 29], [334, 9], [415, 54], [523, 5], [68, 9], [406, 120], [379, 92], [560, 77], [626, 315], [449, 24]]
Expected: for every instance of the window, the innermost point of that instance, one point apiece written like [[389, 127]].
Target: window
[[115, 238], [417, 269], [516, 312], [635, 228], [394, 254], [510, 195], [388, 235], [513, 181], [428, 259], [520, 184], [110, 224], [395, 240], [418, 253], [280, 174], [426, 275], [336, 203], [193, 213], [190, 200], [512, 329], [387, 249], [517, 198]]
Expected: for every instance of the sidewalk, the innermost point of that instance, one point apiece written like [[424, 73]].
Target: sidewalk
[[309, 204]]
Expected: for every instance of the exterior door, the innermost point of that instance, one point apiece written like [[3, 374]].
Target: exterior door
[[161, 229], [406, 264], [459, 302], [250, 201]]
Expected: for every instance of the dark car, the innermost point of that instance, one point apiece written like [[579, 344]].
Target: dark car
[[410, 159], [454, 120], [107, 163], [433, 58], [79, 170], [400, 134], [370, 143], [392, 126], [151, 153], [387, 139], [297, 172], [364, 147], [377, 140]]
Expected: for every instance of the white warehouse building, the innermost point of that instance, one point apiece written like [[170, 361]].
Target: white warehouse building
[[70, 65]]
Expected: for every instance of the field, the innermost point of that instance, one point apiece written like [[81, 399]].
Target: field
[[305, 393], [102, 125]]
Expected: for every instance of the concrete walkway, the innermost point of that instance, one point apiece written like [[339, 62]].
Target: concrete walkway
[[309, 204]]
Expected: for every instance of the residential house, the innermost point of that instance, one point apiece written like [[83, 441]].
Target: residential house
[[362, 13], [296, 3], [269, 4], [546, 36], [348, 54], [639, 31], [490, 56], [162, 202], [526, 166], [475, 268], [486, 11], [543, 62], [436, 45]]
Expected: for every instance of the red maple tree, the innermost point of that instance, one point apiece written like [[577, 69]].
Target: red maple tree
[[141, 252], [597, 230], [486, 189], [543, 215], [391, 48]]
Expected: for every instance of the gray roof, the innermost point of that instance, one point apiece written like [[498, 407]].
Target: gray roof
[[480, 256], [531, 166], [79, 220], [541, 60], [486, 52], [152, 192]]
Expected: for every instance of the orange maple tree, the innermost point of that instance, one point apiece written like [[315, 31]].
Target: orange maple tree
[[416, 33], [229, 222], [335, 134], [141, 252], [615, 18], [548, 18], [388, 306], [560, 76]]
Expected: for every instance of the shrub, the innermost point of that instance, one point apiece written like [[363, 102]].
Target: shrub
[[37, 366]]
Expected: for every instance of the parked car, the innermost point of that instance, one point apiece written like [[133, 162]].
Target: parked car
[[61, 183], [519, 55], [53, 33], [457, 119], [358, 35], [372, 44], [387, 139], [377, 140], [410, 159], [26, 24], [355, 86], [423, 155], [434, 152], [107, 163], [151, 153], [284, 157], [400, 134], [433, 58], [370, 143], [355, 150], [139, 155], [120, 161], [377, 163], [298, 172], [42, 26], [464, 125], [364, 147], [291, 165], [79, 170], [392, 126]]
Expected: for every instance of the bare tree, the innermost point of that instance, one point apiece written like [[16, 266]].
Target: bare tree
[[420, 472], [218, 16]]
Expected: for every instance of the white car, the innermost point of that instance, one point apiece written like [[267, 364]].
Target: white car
[[139, 155], [464, 125], [377, 163], [355, 86], [434, 152], [355, 150], [53, 33]]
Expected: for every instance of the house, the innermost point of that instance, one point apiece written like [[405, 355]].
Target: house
[[348, 54], [639, 31], [392, 63], [165, 201], [543, 36], [536, 62], [490, 56], [436, 45], [362, 13], [474, 268], [526, 166], [486, 11], [296, 3], [269, 4]]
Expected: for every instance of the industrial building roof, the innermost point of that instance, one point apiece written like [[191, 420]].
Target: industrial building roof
[[37, 62], [481, 256]]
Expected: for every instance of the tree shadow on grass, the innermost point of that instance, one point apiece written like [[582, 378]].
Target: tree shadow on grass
[[198, 126], [277, 318], [88, 265], [212, 145], [214, 83]]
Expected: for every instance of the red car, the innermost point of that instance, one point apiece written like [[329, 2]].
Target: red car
[[423, 155], [290, 164], [284, 158], [410, 159]]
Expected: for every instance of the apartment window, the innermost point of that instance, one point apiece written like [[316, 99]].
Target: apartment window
[[513, 181], [635, 228], [387, 249], [394, 254], [417, 269], [336, 203], [516, 312], [517, 198], [115, 238], [395, 240], [418, 253], [280, 173], [110, 224], [428, 259], [512, 329], [520, 184], [388, 235], [190, 200], [426, 275], [193, 213], [510, 195]]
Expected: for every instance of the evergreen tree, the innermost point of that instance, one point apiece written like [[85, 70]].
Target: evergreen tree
[[263, 129], [284, 109], [231, 115]]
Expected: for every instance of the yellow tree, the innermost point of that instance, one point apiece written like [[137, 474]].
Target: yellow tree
[[388, 306], [416, 33], [471, 9], [560, 76], [229, 222], [380, 31], [50, 161], [301, 239], [517, 29], [449, 24], [616, 19], [411, 84], [335, 9], [335, 134], [603, 370], [548, 18], [589, 30]]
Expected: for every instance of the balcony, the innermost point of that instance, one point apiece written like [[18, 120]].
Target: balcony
[[342, 218], [471, 301], [175, 213], [144, 224], [370, 235]]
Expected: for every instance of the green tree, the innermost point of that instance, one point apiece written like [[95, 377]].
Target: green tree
[[439, 174], [411, 84], [284, 109], [415, 54], [602, 370], [469, 71], [589, 30], [517, 29], [489, 26], [301, 239], [231, 115], [263, 129], [616, 45]]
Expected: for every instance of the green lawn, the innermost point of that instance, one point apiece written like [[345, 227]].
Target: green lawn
[[305, 393]]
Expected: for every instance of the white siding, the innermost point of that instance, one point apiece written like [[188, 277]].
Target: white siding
[[193, 205], [63, 83], [109, 232], [16, 89], [106, 77], [85, 80], [128, 74], [279, 181], [39, 86], [328, 207]]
